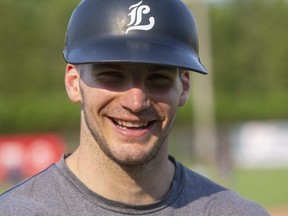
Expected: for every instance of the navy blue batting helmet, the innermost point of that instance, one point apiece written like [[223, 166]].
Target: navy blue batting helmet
[[148, 31]]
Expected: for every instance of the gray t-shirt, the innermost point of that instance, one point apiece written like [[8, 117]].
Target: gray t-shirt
[[57, 191]]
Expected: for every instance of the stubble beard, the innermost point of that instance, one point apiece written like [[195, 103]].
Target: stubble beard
[[95, 130]]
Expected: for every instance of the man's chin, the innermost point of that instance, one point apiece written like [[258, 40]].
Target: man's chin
[[132, 158], [132, 161]]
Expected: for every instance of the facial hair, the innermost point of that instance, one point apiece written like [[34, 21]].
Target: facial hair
[[95, 130]]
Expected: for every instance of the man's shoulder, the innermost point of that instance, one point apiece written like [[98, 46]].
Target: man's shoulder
[[208, 196], [230, 203], [30, 195], [21, 205], [33, 184]]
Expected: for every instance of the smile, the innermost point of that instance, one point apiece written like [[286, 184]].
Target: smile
[[131, 124]]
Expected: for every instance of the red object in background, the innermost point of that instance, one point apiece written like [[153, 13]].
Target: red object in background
[[22, 156]]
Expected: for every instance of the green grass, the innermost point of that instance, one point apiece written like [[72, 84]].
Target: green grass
[[266, 187], [3, 188]]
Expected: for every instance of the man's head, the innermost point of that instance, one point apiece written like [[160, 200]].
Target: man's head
[[127, 109], [159, 32], [128, 65]]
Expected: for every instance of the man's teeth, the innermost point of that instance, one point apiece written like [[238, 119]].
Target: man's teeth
[[131, 124]]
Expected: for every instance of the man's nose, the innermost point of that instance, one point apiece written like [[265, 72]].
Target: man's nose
[[135, 99]]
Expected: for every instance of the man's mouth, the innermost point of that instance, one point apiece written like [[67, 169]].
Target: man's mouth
[[134, 125]]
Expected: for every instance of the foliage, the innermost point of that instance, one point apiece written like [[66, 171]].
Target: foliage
[[249, 49], [32, 94]]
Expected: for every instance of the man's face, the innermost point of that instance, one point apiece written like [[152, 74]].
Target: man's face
[[129, 109]]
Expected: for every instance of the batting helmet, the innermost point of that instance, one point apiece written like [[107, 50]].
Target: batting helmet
[[148, 31]]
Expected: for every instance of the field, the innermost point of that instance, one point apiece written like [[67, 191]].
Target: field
[[268, 187]]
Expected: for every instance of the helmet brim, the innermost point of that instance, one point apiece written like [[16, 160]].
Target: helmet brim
[[121, 50]]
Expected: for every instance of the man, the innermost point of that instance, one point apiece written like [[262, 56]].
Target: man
[[127, 66]]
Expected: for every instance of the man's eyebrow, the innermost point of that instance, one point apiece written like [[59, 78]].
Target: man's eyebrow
[[150, 67], [103, 65], [164, 68]]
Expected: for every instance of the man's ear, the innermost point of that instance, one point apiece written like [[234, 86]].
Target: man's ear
[[185, 79], [72, 79]]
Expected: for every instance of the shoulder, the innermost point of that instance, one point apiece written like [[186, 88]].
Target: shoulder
[[21, 206], [30, 196], [207, 196], [230, 203]]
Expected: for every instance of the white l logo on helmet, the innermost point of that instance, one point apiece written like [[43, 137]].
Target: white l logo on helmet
[[137, 11]]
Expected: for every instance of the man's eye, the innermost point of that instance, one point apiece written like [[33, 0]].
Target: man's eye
[[160, 78], [109, 76]]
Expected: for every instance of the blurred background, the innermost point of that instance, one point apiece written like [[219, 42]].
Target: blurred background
[[234, 128]]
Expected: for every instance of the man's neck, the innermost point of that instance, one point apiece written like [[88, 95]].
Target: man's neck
[[137, 185]]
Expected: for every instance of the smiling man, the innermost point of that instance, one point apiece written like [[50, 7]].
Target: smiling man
[[128, 66]]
